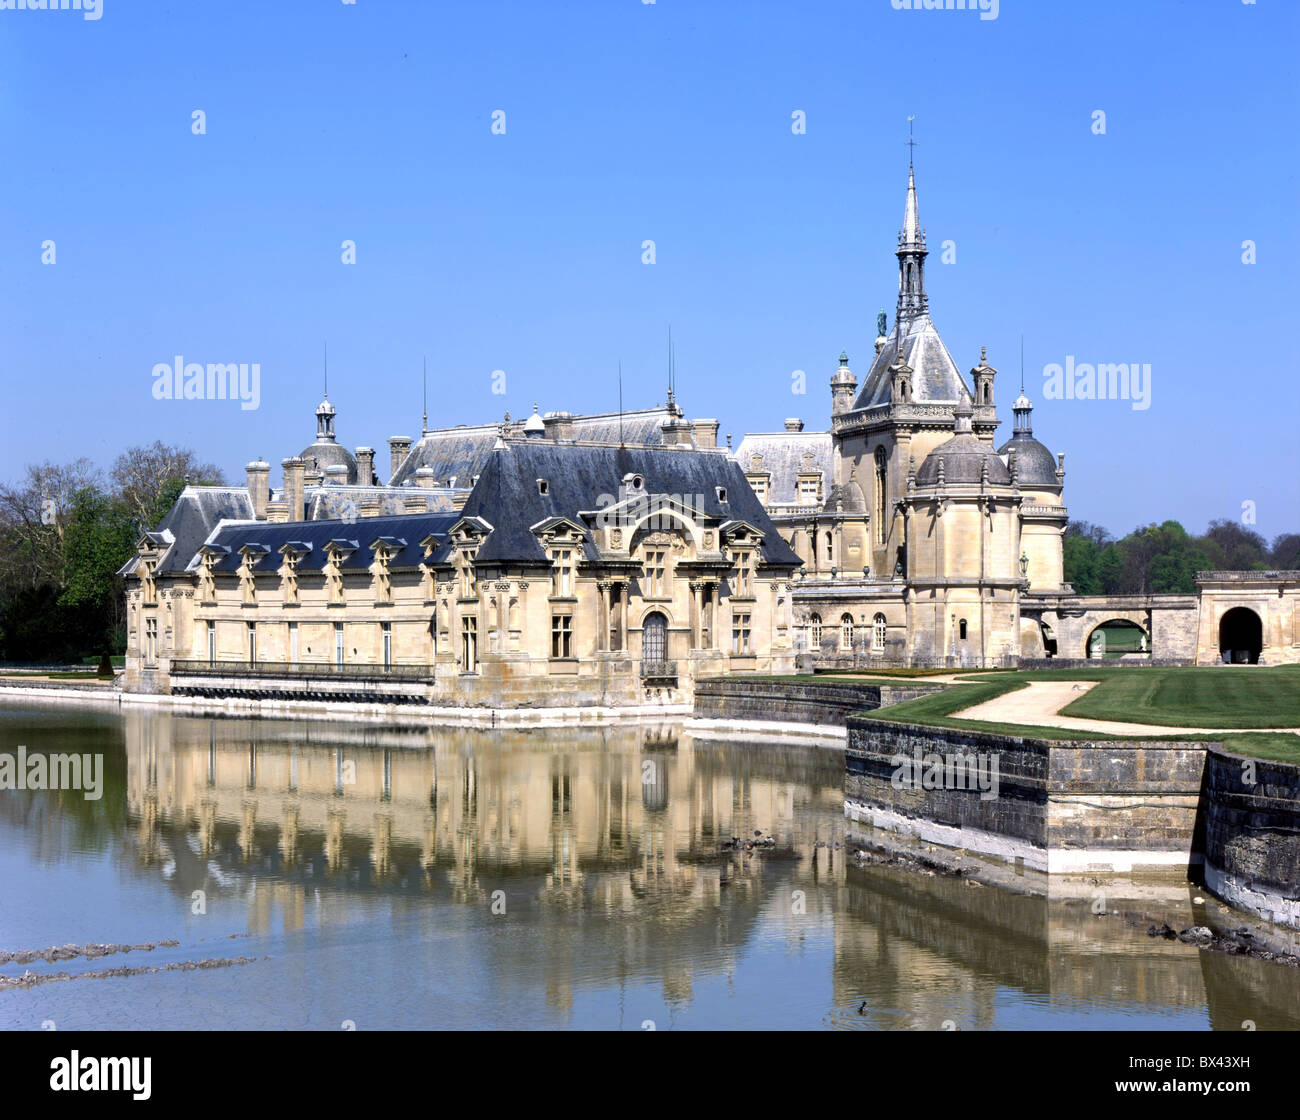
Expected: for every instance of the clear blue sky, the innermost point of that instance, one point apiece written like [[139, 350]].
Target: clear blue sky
[[671, 121]]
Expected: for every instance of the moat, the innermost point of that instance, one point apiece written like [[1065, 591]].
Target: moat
[[386, 876]]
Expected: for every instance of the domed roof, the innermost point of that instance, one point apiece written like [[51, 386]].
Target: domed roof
[[963, 458], [328, 453], [1035, 464], [534, 425]]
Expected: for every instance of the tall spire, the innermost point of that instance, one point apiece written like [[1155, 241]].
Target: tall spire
[[912, 300]]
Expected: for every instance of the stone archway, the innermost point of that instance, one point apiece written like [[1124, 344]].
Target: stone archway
[[1241, 636], [1117, 637]]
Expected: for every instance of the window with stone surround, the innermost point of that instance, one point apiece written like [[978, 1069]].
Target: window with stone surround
[[561, 635]]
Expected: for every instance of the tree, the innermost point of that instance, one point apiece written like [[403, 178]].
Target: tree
[[144, 476], [1285, 553], [1231, 546]]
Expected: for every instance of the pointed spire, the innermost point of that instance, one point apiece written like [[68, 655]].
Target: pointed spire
[[1023, 409], [912, 215], [911, 252]]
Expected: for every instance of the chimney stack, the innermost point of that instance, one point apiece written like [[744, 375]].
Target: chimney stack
[[794, 425], [294, 471], [559, 425], [399, 447], [259, 486], [705, 432], [365, 466]]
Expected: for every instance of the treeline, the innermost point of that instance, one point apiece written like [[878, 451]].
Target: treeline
[[64, 532], [1164, 559]]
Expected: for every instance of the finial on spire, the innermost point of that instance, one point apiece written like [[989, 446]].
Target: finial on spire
[[424, 423], [327, 371], [911, 144]]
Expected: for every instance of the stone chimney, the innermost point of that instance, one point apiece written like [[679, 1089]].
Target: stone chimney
[[294, 471], [371, 506], [793, 425], [415, 503], [399, 447], [365, 466], [559, 425], [705, 432], [424, 477], [337, 475], [259, 486]]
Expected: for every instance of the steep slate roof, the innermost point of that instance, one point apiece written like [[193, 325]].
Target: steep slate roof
[[361, 534], [783, 457], [584, 478], [462, 452], [342, 501], [935, 379], [189, 522]]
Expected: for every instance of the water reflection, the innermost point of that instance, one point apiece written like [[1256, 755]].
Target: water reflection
[[385, 855]]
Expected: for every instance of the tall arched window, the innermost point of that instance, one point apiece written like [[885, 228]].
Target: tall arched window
[[878, 508], [654, 637], [878, 628], [815, 631], [846, 632]]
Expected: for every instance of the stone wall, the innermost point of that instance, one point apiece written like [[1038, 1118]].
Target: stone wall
[[1056, 806], [818, 703], [1252, 834], [1103, 663]]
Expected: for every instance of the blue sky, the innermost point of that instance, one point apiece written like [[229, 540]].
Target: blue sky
[[671, 122]]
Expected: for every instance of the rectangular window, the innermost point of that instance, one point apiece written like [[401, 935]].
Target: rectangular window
[[469, 644], [386, 632], [338, 644], [293, 641], [808, 491], [562, 576], [151, 639], [740, 626], [212, 643], [656, 574], [252, 642], [744, 575], [561, 635]]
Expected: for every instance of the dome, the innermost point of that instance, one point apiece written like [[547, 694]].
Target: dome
[[326, 453], [963, 458], [534, 425], [1035, 464]]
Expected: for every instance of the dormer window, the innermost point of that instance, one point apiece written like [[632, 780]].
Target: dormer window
[[543, 487], [722, 494], [562, 573]]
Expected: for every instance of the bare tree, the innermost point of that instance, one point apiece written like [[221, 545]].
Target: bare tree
[[140, 475], [33, 514]]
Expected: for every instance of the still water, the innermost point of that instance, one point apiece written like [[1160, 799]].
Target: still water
[[389, 876]]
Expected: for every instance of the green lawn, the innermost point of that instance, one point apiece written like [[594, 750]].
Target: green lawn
[[1241, 697], [1231, 697]]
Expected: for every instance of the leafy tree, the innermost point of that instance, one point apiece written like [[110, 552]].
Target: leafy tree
[[1285, 553]]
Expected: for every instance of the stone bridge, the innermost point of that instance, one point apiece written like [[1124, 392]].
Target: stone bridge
[[1168, 621]]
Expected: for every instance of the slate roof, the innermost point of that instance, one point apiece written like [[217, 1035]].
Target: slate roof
[[584, 478], [359, 535], [189, 522], [963, 459], [339, 502], [462, 452], [1035, 464], [935, 379], [782, 455]]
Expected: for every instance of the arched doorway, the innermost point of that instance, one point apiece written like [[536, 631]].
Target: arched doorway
[[1241, 636], [1118, 638], [654, 637]]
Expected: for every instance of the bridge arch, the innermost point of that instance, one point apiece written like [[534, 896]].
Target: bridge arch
[[1117, 636], [1241, 636]]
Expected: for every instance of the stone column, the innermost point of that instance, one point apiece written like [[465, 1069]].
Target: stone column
[[602, 637], [695, 613]]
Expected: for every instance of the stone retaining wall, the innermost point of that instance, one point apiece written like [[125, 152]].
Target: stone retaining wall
[[1056, 806], [1252, 834], [816, 703]]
